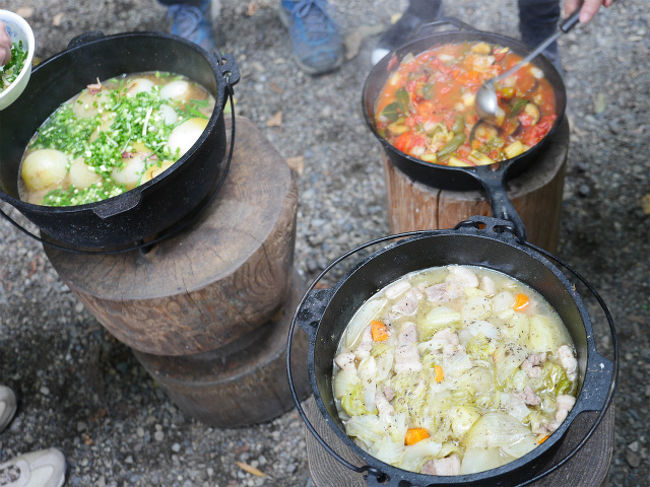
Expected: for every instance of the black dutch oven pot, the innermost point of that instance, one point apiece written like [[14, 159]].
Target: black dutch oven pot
[[491, 178], [481, 241], [142, 213]]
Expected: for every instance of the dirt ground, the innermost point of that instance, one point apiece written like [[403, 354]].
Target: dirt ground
[[83, 391]]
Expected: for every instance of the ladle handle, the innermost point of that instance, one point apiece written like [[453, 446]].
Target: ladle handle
[[565, 27]]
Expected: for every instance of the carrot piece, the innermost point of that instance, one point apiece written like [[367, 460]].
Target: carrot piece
[[439, 374], [413, 435], [542, 439], [521, 302], [379, 331]]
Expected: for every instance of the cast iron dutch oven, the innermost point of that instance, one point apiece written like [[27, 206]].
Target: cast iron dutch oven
[[491, 178], [481, 241], [157, 205]]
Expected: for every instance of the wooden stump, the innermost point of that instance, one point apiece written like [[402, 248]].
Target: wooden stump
[[587, 468], [536, 195], [242, 383], [211, 284], [207, 311]]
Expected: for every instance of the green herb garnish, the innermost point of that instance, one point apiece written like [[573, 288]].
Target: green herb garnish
[[10, 71]]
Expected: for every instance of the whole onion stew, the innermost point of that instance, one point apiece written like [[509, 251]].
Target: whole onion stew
[[454, 370], [112, 137], [426, 108]]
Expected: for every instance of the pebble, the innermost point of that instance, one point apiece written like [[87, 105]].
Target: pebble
[[130, 433], [632, 458], [584, 190]]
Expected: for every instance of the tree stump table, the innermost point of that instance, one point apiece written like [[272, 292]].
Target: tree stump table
[[587, 468], [536, 194], [207, 311]]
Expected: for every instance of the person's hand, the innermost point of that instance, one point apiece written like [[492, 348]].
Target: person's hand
[[588, 9], [5, 45]]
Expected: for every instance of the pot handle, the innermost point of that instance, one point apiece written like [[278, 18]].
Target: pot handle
[[453, 21], [311, 309], [85, 38], [228, 68], [595, 389], [494, 185], [128, 201]]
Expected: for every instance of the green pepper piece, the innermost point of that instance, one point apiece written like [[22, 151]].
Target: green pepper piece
[[391, 112], [427, 91], [402, 99], [517, 107], [451, 147], [459, 125]]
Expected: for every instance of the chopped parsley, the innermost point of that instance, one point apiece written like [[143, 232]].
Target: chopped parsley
[[10, 71], [106, 127]]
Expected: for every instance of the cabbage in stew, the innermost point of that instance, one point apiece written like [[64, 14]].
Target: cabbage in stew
[[454, 370]]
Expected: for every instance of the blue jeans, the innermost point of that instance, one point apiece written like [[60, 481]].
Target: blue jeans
[[538, 20]]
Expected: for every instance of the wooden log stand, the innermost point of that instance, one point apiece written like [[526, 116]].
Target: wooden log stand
[[536, 195], [587, 468], [207, 311]]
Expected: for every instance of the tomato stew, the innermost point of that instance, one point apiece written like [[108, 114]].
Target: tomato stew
[[426, 108]]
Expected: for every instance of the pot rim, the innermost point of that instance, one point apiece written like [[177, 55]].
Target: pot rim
[[143, 188], [592, 364], [457, 36]]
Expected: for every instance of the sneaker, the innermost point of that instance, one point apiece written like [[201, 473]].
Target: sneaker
[[417, 13], [43, 468], [193, 23], [7, 406], [316, 40]]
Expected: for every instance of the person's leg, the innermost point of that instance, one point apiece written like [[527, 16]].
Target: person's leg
[[538, 19], [315, 37], [417, 13], [191, 19], [43, 468]]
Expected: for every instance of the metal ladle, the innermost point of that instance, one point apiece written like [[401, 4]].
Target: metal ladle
[[486, 98]]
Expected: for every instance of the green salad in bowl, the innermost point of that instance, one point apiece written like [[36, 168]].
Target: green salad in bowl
[[10, 71], [15, 74]]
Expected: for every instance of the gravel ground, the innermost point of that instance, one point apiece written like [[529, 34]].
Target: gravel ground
[[84, 392]]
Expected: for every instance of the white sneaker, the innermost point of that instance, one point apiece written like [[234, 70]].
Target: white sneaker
[[7, 406], [43, 468]]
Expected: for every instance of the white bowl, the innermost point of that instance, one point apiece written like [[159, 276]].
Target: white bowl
[[19, 30]]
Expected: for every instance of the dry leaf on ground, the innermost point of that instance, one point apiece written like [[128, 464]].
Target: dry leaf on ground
[[296, 163], [252, 8], [275, 120], [276, 88], [252, 470], [645, 204], [56, 20], [25, 12]]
